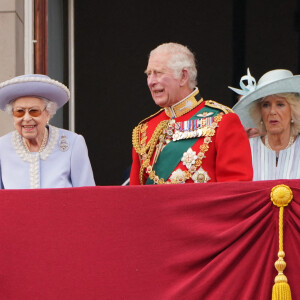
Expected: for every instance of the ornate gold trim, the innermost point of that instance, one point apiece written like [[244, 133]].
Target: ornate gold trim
[[187, 174], [184, 106], [219, 106], [281, 195], [153, 115]]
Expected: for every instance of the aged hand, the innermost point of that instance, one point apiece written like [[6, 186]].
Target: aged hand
[[252, 132]]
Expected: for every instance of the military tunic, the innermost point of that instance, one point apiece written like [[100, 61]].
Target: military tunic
[[203, 142]]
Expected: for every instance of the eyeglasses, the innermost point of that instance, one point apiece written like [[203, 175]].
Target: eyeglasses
[[33, 112]]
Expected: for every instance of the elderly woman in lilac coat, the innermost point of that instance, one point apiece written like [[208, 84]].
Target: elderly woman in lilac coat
[[36, 154]]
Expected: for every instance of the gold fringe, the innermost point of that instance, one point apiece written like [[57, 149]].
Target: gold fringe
[[281, 291], [281, 195]]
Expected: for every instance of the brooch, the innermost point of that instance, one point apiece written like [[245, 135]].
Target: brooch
[[63, 143], [205, 114]]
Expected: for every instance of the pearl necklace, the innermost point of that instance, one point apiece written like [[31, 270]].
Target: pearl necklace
[[291, 141], [43, 145]]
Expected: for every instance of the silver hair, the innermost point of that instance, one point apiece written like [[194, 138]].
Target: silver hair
[[181, 58], [51, 107], [294, 101]]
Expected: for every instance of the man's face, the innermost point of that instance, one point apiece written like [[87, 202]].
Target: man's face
[[164, 87]]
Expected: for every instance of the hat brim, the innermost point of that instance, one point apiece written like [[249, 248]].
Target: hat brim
[[51, 90], [286, 85]]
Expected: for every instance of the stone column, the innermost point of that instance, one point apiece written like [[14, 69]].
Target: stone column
[[11, 48]]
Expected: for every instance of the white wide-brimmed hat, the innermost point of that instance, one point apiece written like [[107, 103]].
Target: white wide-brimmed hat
[[36, 85], [273, 82]]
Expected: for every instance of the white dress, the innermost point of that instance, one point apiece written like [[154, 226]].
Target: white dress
[[64, 162], [264, 161]]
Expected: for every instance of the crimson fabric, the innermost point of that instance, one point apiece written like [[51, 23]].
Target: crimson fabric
[[195, 241], [228, 157]]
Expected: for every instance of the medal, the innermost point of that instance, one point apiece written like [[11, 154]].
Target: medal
[[193, 128]]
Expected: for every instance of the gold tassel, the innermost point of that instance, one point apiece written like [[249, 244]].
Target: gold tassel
[[281, 195]]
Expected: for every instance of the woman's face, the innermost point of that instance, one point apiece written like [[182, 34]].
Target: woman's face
[[276, 114], [31, 126]]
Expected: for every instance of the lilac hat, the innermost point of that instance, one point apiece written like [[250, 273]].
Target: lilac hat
[[36, 85]]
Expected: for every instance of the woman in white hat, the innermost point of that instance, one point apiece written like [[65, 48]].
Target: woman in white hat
[[36, 154], [273, 107]]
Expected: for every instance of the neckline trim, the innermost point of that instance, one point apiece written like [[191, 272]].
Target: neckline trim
[[185, 105], [33, 158]]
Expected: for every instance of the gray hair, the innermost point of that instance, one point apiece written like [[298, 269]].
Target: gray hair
[[51, 107], [181, 58], [294, 101]]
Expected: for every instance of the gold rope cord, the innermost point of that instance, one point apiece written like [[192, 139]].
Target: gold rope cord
[[153, 140], [149, 147], [208, 131], [281, 196]]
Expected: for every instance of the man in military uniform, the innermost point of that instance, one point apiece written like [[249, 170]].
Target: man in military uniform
[[189, 139]]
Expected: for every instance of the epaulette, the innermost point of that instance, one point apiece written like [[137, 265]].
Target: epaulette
[[214, 104], [150, 117]]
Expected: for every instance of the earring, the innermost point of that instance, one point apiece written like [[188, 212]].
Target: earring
[[292, 121], [261, 122]]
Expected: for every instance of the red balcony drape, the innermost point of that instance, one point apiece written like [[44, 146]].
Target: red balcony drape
[[194, 241]]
